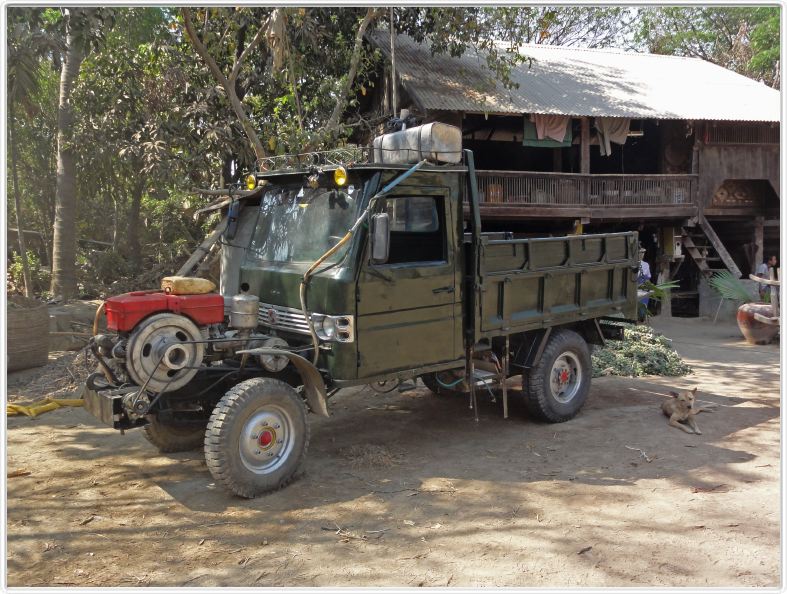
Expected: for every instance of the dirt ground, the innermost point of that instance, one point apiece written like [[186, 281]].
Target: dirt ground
[[406, 489]]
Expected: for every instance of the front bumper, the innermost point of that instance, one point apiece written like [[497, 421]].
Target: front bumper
[[107, 407]]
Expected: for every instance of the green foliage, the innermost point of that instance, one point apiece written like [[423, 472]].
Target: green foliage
[[743, 38], [765, 43], [641, 352], [730, 287], [586, 26], [106, 266], [658, 292], [39, 276]]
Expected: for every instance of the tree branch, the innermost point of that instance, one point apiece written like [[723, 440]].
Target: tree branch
[[341, 100], [246, 51], [202, 50], [229, 88]]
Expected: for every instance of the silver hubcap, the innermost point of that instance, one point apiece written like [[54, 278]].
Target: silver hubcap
[[267, 439], [565, 377]]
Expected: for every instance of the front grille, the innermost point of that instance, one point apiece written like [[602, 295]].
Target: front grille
[[283, 318]]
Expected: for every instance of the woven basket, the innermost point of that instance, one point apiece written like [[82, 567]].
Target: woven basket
[[27, 333]]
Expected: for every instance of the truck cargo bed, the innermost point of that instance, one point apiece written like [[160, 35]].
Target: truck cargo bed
[[524, 284]]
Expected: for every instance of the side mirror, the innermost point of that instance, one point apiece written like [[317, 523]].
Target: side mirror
[[380, 235]]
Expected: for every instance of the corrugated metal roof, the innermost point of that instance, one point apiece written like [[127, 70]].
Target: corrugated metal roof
[[582, 82]]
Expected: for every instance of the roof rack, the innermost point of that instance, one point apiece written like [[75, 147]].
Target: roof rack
[[348, 155]]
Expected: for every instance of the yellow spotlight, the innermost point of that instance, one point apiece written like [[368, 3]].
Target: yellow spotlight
[[340, 176], [251, 181]]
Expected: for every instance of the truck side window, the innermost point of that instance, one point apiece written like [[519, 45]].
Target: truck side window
[[417, 224]]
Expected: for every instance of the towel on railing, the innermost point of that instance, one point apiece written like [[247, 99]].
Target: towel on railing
[[611, 130]]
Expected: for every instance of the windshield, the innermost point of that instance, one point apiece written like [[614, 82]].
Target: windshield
[[297, 223]]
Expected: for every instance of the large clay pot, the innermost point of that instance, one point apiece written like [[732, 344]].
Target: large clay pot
[[27, 333], [754, 331]]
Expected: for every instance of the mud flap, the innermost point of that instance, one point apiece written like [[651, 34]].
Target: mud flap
[[313, 384]]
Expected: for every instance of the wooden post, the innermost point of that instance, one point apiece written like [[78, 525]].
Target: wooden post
[[584, 147], [394, 97], [202, 250], [666, 303], [557, 160], [758, 242]]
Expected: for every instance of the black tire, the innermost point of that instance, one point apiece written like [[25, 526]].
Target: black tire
[[257, 437], [430, 381], [174, 438], [552, 401]]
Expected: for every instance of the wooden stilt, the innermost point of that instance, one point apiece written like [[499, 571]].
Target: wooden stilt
[[504, 373], [759, 256]]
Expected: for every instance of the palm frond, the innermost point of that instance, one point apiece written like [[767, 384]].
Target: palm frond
[[659, 291], [730, 287]]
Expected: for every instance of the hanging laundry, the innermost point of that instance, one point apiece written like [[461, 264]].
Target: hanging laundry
[[550, 126], [533, 137], [611, 130]]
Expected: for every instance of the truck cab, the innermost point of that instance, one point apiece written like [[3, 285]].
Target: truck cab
[[372, 316]]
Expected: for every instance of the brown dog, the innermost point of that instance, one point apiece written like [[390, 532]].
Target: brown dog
[[680, 408]]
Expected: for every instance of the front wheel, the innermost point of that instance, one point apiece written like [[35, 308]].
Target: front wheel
[[257, 437], [557, 387], [171, 437]]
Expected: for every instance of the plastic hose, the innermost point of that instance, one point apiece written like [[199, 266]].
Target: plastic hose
[[99, 311], [42, 406], [448, 386]]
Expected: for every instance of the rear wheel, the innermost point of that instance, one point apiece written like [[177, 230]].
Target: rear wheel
[[557, 387], [170, 438], [257, 437]]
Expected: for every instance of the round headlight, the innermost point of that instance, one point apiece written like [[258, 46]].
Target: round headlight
[[328, 327], [340, 176], [251, 181]]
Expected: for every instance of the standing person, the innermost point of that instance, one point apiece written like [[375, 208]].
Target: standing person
[[763, 271], [643, 276]]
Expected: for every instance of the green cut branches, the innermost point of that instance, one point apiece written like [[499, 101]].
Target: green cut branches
[[641, 352]]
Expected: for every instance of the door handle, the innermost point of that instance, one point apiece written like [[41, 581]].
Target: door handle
[[448, 289]]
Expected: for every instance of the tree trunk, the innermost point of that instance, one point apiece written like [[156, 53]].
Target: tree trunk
[[132, 239], [18, 203], [115, 224], [64, 282]]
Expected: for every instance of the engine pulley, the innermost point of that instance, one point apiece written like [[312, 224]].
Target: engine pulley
[[274, 363], [156, 350]]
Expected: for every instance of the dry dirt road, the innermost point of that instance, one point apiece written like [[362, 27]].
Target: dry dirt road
[[407, 490]]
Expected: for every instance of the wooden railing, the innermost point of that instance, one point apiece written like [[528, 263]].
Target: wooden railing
[[574, 189]]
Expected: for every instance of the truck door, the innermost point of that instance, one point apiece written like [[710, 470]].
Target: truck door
[[409, 309]]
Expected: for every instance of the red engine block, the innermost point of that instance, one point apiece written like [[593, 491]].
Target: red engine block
[[125, 311]]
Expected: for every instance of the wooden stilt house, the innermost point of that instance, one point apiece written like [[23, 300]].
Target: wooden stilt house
[[683, 150]]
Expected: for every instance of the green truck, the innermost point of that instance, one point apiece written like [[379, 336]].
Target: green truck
[[349, 273]]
